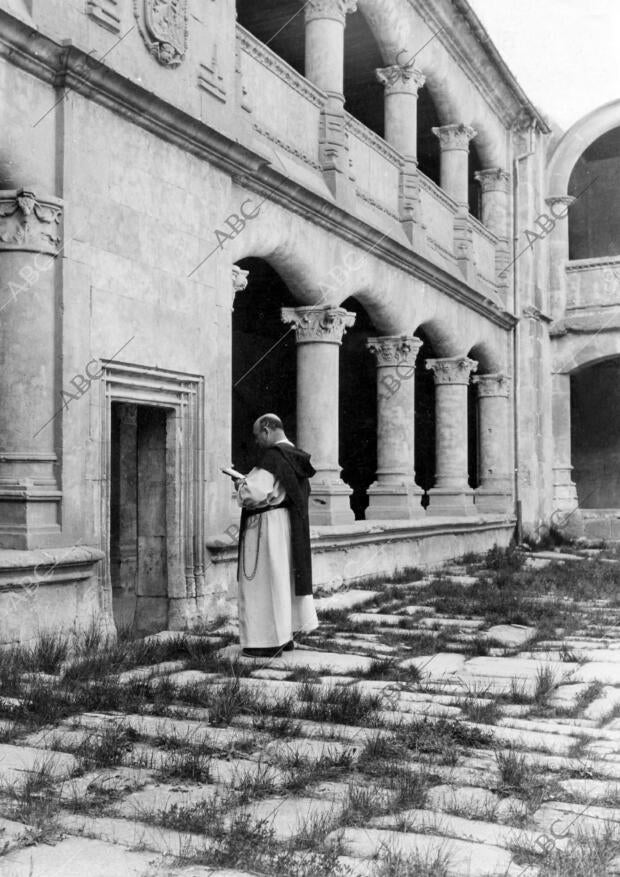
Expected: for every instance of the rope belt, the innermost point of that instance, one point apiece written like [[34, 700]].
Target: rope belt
[[259, 511], [269, 508]]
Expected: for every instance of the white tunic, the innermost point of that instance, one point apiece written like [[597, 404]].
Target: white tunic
[[269, 610]]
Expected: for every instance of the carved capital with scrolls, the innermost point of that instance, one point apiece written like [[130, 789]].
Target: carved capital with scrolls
[[454, 137], [29, 222], [326, 324], [452, 369], [335, 9], [393, 350], [493, 179], [400, 79], [492, 385]]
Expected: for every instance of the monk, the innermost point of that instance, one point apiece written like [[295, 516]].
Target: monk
[[275, 564]]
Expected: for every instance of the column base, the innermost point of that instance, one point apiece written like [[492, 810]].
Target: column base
[[330, 505], [490, 501], [449, 502], [28, 519], [394, 502]]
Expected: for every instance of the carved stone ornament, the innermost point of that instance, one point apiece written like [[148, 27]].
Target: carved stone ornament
[[493, 179], [325, 324], [392, 350], [454, 136], [452, 369], [239, 278], [164, 25], [399, 78], [335, 9], [492, 385], [29, 223]]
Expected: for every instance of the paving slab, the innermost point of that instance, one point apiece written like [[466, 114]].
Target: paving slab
[[517, 668], [110, 782], [465, 859], [134, 834], [509, 634], [17, 763], [161, 797], [592, 790], [184, 730], [290, 752], [335, 662], [475, 802], [575, 819], [607, 672], [290, 816], [10, 835], [77, 857], [344, 599], [436, 665]]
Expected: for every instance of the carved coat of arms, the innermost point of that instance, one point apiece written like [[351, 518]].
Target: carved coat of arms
[[164, 25]]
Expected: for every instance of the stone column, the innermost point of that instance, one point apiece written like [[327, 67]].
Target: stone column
[[558, 252], [239, 284], [565, 498], [495, 491], [319, 334], [402, 84], [325, 42], [451, 494], [30, 413], [325, 20], [395, 493], [454, 173], [495, 186]]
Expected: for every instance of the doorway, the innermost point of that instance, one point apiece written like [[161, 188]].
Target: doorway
[[138, 493]]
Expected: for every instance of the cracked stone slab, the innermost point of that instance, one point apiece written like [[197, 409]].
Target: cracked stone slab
[[574, 819], [464, 857], [77, 857]]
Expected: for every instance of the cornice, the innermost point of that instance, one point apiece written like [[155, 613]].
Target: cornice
[[71, 67], [486, 87]]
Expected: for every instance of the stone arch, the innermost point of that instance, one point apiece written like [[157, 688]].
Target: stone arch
[[576, 352], [489, 362], [575, 141], [444, 338]]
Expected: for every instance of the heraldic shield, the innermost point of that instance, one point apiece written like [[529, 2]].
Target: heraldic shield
[[164, 25]]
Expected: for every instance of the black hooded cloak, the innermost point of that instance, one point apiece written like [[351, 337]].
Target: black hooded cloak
[[292, 468]]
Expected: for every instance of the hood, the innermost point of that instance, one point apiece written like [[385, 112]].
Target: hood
[[298, 459]]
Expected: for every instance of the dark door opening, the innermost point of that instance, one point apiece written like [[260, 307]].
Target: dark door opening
[[138, 526]]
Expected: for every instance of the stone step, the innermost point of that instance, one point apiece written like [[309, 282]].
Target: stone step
[[77, 857]]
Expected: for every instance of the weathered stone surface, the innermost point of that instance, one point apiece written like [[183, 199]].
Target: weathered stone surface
[[474, 802], [134, 834], [516, 668], [591, 790], [10, 834], [290, 752], [344, 599], [607, 672], [573, 819], [77, 857], [155, 799], [289, 816], [510, 634], [17, 763], [333, 662], [473, 859], [437, 665]]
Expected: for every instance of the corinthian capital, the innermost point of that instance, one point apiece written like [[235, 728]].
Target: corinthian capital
[[492, 385], [399, 78], [335, 9], [493, 179], [452, 369], [392, 350], [29, 222], [325, 324], [454, 136]]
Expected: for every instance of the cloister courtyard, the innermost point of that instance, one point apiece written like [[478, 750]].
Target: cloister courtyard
[[458, 721]]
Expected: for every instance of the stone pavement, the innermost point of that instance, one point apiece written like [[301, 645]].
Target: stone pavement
[[398, 739]]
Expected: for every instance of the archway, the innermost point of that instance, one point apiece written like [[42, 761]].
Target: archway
[[279, 24], [425, 417], [595, 434], [358, 408], [429, 153], [364, 95], [594, 218], [264, 369]]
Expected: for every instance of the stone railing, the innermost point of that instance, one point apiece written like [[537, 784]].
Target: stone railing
[[484, 244], [438, 212], [375, 165], [593, 283], [285, 107]]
